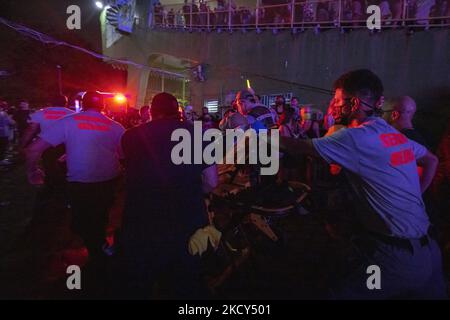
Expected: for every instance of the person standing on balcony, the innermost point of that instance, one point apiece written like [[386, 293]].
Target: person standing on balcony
[[396, 7], [187, 14], [171, 18]]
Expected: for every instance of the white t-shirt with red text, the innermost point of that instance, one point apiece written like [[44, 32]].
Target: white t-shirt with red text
[[48, 116], [381, 165], [92, 143]]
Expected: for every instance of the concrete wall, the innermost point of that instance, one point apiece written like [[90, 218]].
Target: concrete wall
[[417, 65]]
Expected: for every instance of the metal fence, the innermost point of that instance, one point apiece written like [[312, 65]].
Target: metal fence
[[300, 14]]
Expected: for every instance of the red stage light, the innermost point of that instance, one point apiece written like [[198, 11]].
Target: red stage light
[[120, 98]]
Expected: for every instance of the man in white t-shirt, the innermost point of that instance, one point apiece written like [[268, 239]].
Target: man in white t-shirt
[[92, 143], [44, 118], [39, 122], [380, 163]]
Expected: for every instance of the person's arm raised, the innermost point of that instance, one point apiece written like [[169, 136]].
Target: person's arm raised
[[298, 147]]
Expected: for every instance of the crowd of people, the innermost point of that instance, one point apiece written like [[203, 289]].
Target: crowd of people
[[13, 122], [284, 13], [379, 165]]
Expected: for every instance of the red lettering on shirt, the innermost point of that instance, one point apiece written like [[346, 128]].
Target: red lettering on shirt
[[402, 157], [91, 126], [81, 117], [393, 139]]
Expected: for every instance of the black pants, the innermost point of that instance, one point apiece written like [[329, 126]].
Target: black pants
[[90, 204], [55, 172], [3, 146], [152, 260]]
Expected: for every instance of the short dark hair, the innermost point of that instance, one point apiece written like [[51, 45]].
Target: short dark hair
[[362, 82], [164, 105], [93, 100], [58, 100]]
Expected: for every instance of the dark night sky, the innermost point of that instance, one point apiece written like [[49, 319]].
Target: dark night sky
[[49, 16], [33, 64]]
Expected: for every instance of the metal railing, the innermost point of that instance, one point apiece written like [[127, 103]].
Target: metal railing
[[298, 14]]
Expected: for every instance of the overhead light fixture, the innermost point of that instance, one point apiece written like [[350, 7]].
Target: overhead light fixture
[[99, 4]]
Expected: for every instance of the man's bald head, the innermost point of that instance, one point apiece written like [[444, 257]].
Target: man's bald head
[[402, 111], [405, 105]]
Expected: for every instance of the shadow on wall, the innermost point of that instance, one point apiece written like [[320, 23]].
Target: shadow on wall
[[433, 112]]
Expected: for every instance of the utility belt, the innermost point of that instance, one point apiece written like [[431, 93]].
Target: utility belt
[[404, 243]]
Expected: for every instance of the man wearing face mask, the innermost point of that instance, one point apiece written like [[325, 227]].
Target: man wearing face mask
[[381, 167], [258, 115]]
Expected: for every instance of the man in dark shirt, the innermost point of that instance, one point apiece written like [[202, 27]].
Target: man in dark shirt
[[163, 208], [400, 115]]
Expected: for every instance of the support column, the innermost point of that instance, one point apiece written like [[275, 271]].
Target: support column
[[137, 86]]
